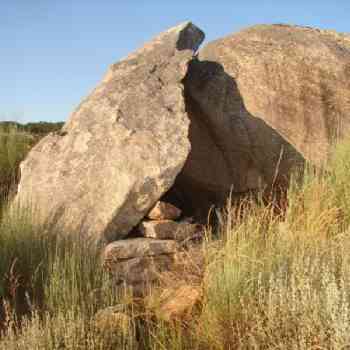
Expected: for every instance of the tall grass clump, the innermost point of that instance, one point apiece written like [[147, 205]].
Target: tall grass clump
[[339, 178], [278, 281], [283, 282], [52, 285]]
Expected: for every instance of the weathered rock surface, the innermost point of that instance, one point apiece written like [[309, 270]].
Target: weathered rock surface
[[138, 262], [285, 80], [122, 148], [132, 248], [234, 147], [168, 229], [244, 153], [164, 211]]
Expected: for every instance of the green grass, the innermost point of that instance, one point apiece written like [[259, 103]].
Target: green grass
[[14, 145], [271, 281], [15, 142]]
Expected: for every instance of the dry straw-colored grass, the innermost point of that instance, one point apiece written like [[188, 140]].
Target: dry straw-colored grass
[[270, 281]]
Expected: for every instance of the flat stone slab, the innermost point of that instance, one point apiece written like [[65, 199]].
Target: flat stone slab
[[168, 229], [137, 263], [138, 247]]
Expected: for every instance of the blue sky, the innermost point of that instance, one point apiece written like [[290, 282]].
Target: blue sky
[[53, 52]]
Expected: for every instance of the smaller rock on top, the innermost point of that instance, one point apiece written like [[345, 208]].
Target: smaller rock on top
[[164, 211]]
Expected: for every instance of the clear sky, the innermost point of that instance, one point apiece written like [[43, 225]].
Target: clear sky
[[53, 52]]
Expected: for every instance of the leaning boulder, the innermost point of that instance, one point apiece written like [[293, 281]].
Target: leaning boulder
[[165, 125], [122, 148]]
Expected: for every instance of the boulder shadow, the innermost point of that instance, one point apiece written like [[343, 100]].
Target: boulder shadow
[[232, 150]]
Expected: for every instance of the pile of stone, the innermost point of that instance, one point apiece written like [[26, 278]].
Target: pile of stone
[[164, 223], [154, 247]]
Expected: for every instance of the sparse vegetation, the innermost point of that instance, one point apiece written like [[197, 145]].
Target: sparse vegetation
[[14, 145], [35, 129], [15, 142], [271, 281]]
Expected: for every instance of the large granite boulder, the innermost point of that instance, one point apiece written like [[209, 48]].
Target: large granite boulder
[[242, 152], [261, 102], [286, 80], [123, 146]]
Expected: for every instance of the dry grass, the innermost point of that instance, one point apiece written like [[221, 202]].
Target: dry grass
[[269, 281]]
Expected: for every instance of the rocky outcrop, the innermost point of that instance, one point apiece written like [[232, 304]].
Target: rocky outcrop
[[188, 130], [122, 148]]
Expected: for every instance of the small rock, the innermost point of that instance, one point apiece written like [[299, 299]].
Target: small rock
[[176, 303], [168, 229], [138, 263], [138, 247], [142, 270], [164, 211]]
